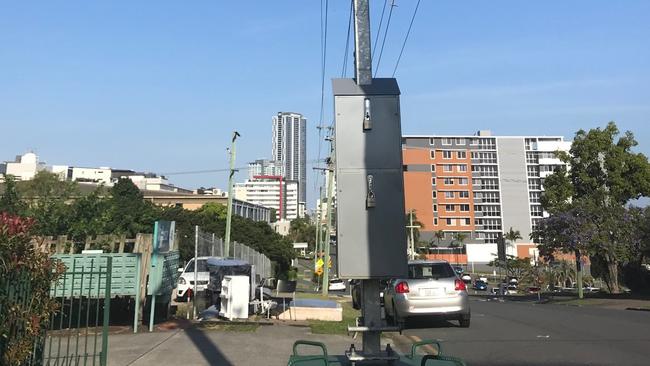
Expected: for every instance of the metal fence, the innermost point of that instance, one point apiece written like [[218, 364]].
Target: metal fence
[[209, 245], [78, 332]]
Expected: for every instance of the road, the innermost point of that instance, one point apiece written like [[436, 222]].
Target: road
[[515, 333]]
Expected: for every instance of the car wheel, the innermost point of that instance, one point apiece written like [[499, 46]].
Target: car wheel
[[464, 322]]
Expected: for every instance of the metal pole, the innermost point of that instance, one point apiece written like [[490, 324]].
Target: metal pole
[[330, 183], [212, 246], [412, 237], [318, 227], [235, 134], [196, 268], [362, 57]]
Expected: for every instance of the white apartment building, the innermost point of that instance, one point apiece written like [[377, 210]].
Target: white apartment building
[[91, 175], [24, 167], [283, 197], [264, 167], [289, 147]]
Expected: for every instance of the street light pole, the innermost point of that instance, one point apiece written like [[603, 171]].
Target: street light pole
[[235, 134]]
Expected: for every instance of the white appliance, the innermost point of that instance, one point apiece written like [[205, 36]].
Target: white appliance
[[235, 292]]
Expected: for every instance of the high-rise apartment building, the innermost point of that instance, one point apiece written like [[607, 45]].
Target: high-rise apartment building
[[290, 148], [264, 167], [477, 185], [272, 192]]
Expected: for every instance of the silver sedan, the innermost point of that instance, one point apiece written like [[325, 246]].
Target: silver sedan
[[432, 290]]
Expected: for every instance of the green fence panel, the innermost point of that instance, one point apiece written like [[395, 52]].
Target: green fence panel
[[163, 274], [124, 274]]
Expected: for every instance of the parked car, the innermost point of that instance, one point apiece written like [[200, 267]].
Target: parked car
[[483, 278], [432, 290], [533, 289], [480, 285], [337, 284], [459, 270], [512, 289], [466, 278], [355, 289], [185, 287]]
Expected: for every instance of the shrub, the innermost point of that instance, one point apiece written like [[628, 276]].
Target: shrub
[[25, 278]]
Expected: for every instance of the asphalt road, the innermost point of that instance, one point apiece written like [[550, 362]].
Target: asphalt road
[[511, 333]]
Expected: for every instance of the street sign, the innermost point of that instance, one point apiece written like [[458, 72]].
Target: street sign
[[319, 271], [320, 262]]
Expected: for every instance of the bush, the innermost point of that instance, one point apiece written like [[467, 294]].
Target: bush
[[25, 278]]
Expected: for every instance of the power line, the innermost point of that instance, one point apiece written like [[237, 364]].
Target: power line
[[383, 42], [222, 170], [381, 20], [323, 40], [347, 43], [406, 38]]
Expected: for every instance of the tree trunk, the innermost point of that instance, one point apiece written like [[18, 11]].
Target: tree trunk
[[612, 279]]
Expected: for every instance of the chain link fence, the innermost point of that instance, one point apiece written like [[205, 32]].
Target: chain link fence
[[209, 245]]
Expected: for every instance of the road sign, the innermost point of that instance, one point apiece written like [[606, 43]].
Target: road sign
[[320, 262], [319, 271]]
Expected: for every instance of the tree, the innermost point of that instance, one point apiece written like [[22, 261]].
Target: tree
[[604, 175], [129, 212], [10, 201], [439, 236], [89, 215], [47, 199], [416, 231], [459, 238], [512, 235], [302, 230], [513, 266]]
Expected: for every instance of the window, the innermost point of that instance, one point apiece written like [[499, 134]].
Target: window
[[461, 154], [535, 210], [532, 158], [489, 224], [462, 168], [533, 170], [490, 184], [450, 222], [491, 197], [460, 141], [473, 141], [449, 194], [491, 211], [434, 194], [477, 195], [431, 141], [534, 196], [450, 208], [446, 154], [433, 181], [435, 221], [534, 184], [446, 141], [449, 181], [433, 167], [464, 208], [463, 194], [462, 181], [465, 222], [433, 154], [435, 270], [447, 168], [435, 208]]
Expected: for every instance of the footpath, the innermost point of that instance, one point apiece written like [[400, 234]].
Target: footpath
[[267, 345]]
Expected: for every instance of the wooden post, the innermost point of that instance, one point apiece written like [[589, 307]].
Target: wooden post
[[144, 243], [122, 243]]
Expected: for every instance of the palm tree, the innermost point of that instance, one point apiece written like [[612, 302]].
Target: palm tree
[[460, 238], [512, 236], [439, 236]]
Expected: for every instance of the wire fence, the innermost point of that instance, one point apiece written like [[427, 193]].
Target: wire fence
[[209, 245]]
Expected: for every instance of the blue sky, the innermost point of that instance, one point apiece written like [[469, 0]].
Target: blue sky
[[160, 85]]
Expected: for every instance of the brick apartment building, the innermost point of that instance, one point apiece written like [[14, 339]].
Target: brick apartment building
[[480, 185]]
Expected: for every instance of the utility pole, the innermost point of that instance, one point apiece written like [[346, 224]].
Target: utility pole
[[318, 225], [412, 236], [330, 184], [235, 134]]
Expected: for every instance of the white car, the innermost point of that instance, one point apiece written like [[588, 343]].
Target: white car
[[186, 279], [337, 285]]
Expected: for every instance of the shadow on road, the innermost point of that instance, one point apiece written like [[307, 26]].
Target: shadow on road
[[208, 349], [430, 323]]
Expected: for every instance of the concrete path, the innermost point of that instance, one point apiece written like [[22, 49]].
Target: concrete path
[[268, 346]]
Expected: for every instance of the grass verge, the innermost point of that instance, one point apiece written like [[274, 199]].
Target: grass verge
[[229, 327], [324, 327]]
